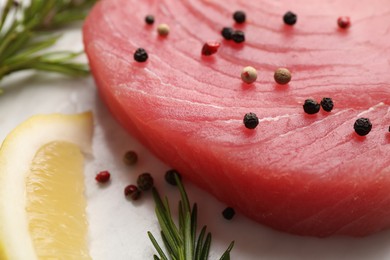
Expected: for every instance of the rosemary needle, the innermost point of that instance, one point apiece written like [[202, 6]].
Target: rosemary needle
[[27, 31], [181, 243]]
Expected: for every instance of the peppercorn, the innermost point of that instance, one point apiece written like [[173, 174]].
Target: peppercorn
[[251, 120], [311, 106], [327, 104], [163, 29], [249, 74], [170, 176], [102, 177], [239, 16], [282, 76], [227, 33], [362, 126], [290, 18], [238, 36], [210, 48], [140, 55], [145, 181], [228, 213], [131, 191], [149, 19], [130, 158], [343, 22]]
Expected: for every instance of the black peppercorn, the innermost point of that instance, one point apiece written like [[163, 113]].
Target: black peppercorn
[[251, 120], [327, 104], [238, 36], [290, 18], [149, 19], [145, 181], [140, 55], [311, 106], [362, 126], [227, 33], [170, 176], [239, 16], [228, 213]]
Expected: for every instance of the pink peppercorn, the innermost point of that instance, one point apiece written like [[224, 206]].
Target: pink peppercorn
[[344, 22], [102, 177], [210, 48], [132, 191]]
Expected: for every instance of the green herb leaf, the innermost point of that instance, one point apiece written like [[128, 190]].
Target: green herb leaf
[[226, 255], [158, 248], [182, 242], [188, 246], [27, 31], [206, 247], [199, 244]]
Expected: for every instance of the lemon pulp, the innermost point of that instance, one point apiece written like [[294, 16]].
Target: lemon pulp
[[55, 203]]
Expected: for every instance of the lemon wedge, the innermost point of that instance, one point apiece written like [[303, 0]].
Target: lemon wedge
[[42, 202]]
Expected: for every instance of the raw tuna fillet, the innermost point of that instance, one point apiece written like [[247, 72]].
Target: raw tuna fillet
[[299, 173]]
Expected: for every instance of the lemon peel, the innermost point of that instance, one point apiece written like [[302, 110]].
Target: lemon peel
[[16, 155]]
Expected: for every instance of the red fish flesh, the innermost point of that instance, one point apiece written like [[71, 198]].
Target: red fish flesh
[[295, 172]]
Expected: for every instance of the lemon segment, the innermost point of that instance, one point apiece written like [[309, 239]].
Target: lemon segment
[[55, 203], [42, 204]]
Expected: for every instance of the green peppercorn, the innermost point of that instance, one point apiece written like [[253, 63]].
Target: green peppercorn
[[249, 74], [163, 29]]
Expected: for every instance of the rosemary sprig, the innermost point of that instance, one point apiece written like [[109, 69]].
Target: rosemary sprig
[[181, 243], [26, 32]]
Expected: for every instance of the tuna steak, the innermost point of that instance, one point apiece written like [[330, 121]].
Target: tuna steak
[[299, 173]]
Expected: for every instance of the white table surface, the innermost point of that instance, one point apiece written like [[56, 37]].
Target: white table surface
[[118, 226]]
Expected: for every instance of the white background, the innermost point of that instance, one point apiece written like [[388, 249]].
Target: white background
[[118, 226]]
